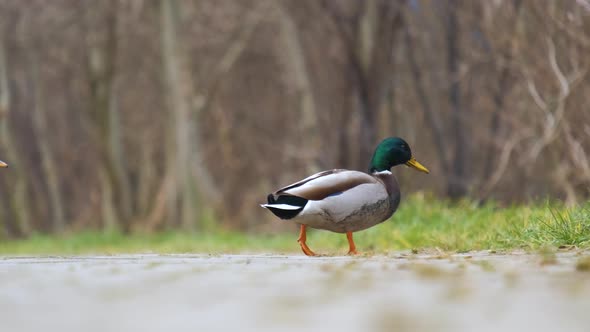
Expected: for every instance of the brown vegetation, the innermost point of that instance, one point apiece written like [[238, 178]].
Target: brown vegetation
[[145, 115]]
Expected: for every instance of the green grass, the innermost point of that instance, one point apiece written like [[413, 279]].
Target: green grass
[[167, 242], [421, 222]]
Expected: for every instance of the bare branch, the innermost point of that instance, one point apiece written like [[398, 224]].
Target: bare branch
[[503, 163], [564, 84], [536, 97], [554, 114]]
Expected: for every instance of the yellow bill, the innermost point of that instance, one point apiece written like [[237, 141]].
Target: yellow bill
[[3, 164], [416, 165]]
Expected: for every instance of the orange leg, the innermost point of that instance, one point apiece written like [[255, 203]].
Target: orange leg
[[351, 246], [302, 238]]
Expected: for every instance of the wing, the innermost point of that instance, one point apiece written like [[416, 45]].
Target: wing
[[326, 183]]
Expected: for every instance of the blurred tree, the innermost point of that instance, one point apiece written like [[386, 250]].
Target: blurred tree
[[141, 115], [100, 30]]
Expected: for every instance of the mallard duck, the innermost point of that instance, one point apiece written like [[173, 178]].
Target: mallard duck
[[345, 201], [3, 164]]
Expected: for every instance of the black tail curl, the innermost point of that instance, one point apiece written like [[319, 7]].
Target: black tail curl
[[286, 199]]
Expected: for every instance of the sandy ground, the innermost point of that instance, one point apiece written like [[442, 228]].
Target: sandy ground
[[401, 292]]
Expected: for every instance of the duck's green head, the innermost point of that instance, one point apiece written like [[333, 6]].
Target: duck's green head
[[391, 152]]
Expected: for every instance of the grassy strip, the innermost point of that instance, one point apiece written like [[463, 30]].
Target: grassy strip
[[421, 222]]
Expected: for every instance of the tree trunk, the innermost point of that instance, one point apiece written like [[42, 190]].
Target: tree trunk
[[368, 48], [18, 203], [181, 157], [457, 181], [432, 118], [499, 98], [101, 66], [298, 69], [49, 166], [362, 65]]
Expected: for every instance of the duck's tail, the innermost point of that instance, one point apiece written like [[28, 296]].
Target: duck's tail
[[285, 206]]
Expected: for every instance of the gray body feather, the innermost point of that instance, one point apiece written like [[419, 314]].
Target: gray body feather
[[345, 201]]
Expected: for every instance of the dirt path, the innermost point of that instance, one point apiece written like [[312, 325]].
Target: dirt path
[[403, 292]]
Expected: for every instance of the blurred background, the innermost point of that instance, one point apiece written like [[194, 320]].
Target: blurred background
[[145, 115]]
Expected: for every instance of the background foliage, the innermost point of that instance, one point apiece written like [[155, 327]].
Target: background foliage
[[141, 115]]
